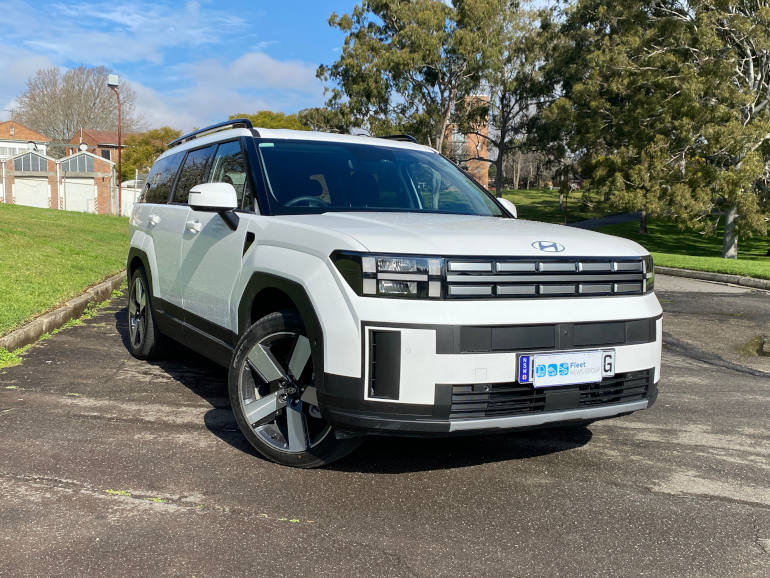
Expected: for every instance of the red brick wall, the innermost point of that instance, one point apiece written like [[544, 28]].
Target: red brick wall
[[20, 132], [103, 188], [53, 184], [9, 180]]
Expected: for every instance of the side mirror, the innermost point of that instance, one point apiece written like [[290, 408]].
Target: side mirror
[[216, 197], [508, 205]]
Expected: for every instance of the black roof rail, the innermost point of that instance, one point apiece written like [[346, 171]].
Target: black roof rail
[[403, 137], [234, 123]]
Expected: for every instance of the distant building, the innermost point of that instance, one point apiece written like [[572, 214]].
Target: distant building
[[468, 150], [15, 138], [80, 182], [102, 143]]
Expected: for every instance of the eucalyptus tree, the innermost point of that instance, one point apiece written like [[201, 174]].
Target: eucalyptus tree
[[408, 63]]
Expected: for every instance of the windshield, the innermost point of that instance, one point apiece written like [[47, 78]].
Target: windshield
[[319, 177]]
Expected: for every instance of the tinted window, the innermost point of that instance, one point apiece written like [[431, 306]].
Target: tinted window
[[229, 166], [161, 178], [311, 177], [193, 172]]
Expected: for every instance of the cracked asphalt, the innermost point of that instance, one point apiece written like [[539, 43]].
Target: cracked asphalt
[[112, 466]]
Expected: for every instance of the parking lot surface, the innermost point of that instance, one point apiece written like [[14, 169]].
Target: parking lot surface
[[113, 466]]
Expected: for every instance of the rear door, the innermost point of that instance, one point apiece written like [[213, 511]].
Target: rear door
[[212, 253], [164, 224]]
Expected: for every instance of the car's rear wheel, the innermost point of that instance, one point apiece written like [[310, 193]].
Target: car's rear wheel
[[144, 339], [273, 395]]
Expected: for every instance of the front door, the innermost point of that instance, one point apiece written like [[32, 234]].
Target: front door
[[212, 253]]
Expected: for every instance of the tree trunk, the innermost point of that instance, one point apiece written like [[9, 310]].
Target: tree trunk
[[643, 223], [730, 241], [499, 175], [517, 171]]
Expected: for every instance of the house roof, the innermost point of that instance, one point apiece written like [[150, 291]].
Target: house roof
[[24, 134], [96, 137]]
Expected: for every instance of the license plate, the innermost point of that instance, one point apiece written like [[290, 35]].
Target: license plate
[[554, 369]]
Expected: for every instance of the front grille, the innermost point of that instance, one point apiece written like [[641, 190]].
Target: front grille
[[506, 399], [544, 277]]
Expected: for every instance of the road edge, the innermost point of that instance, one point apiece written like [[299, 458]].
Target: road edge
[[752, 282], [72, 309]]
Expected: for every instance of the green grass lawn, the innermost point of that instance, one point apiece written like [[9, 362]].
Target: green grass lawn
[[543, 205], [669, 246], [49, 256]]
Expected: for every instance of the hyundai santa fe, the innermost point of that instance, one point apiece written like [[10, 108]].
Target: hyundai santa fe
[[355, 285]]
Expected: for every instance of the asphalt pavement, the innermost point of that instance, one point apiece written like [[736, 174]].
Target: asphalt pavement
[[113, 466]]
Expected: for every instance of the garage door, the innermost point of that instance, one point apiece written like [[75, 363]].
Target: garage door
[[79, 195], [31, 191]]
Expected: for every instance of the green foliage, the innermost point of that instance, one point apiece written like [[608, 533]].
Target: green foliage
[[142, 149], [666, 108], [407, 64], [54, 256], [270, 119]]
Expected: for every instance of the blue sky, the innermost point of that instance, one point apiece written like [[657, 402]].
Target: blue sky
[[190, 63]]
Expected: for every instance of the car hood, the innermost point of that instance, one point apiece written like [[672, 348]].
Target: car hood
[[447, 235]]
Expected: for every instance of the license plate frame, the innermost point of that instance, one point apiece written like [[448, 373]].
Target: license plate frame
[[564, 368]]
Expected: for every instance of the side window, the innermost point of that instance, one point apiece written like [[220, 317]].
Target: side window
[[230, 167], [161, 178], [193, 172]]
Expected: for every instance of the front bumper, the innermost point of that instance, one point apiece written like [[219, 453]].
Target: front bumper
[[419, 379]]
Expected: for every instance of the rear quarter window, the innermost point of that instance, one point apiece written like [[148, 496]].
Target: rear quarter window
[[161, 179]]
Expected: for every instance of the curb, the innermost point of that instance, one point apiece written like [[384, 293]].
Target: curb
[[52, 320], [717, 277]]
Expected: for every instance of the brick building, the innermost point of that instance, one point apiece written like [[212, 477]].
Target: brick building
[[80, 182], [468, 150], [15, 138], [102, 143]]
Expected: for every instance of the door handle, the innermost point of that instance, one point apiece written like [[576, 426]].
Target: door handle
[[193, 227], [153, 220]]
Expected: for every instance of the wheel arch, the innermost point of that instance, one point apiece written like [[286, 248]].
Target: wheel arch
[[136, 258], [266, 293]]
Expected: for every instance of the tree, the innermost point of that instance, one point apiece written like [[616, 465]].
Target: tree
[[408, 63], [665, 103], [325, 119], [58, 104], [270, 119], [729, 153], [142, 149], [513, 60]]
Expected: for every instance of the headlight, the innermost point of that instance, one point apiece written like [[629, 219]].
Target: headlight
[[649, 274], [402, 276]]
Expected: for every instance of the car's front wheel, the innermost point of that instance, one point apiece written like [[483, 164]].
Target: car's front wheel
[[273, 395], [144, 339]]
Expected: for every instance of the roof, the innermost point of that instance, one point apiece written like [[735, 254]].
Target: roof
[[96, 137], [291, 134], [29, 134]]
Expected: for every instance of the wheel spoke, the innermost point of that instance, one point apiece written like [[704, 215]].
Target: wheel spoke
[[310, 396], [138, 331], [262, 410], [299, 356], [140, 296], [296, 423], [265, 364], [132, 306]]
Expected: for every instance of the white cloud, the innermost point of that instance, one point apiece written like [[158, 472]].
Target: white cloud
[[210, 91], [127, 35]]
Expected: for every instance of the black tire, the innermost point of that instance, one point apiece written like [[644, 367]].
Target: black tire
[[261, 378], [145, 341]]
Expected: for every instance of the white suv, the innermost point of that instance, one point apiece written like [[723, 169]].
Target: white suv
[[358, 285]]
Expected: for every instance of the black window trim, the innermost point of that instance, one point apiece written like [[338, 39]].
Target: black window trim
[[206, 170]]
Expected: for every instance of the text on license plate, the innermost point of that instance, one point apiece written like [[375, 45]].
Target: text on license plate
[[553, 369]]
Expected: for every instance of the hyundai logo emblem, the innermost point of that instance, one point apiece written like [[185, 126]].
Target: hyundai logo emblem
[[548, 246]]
